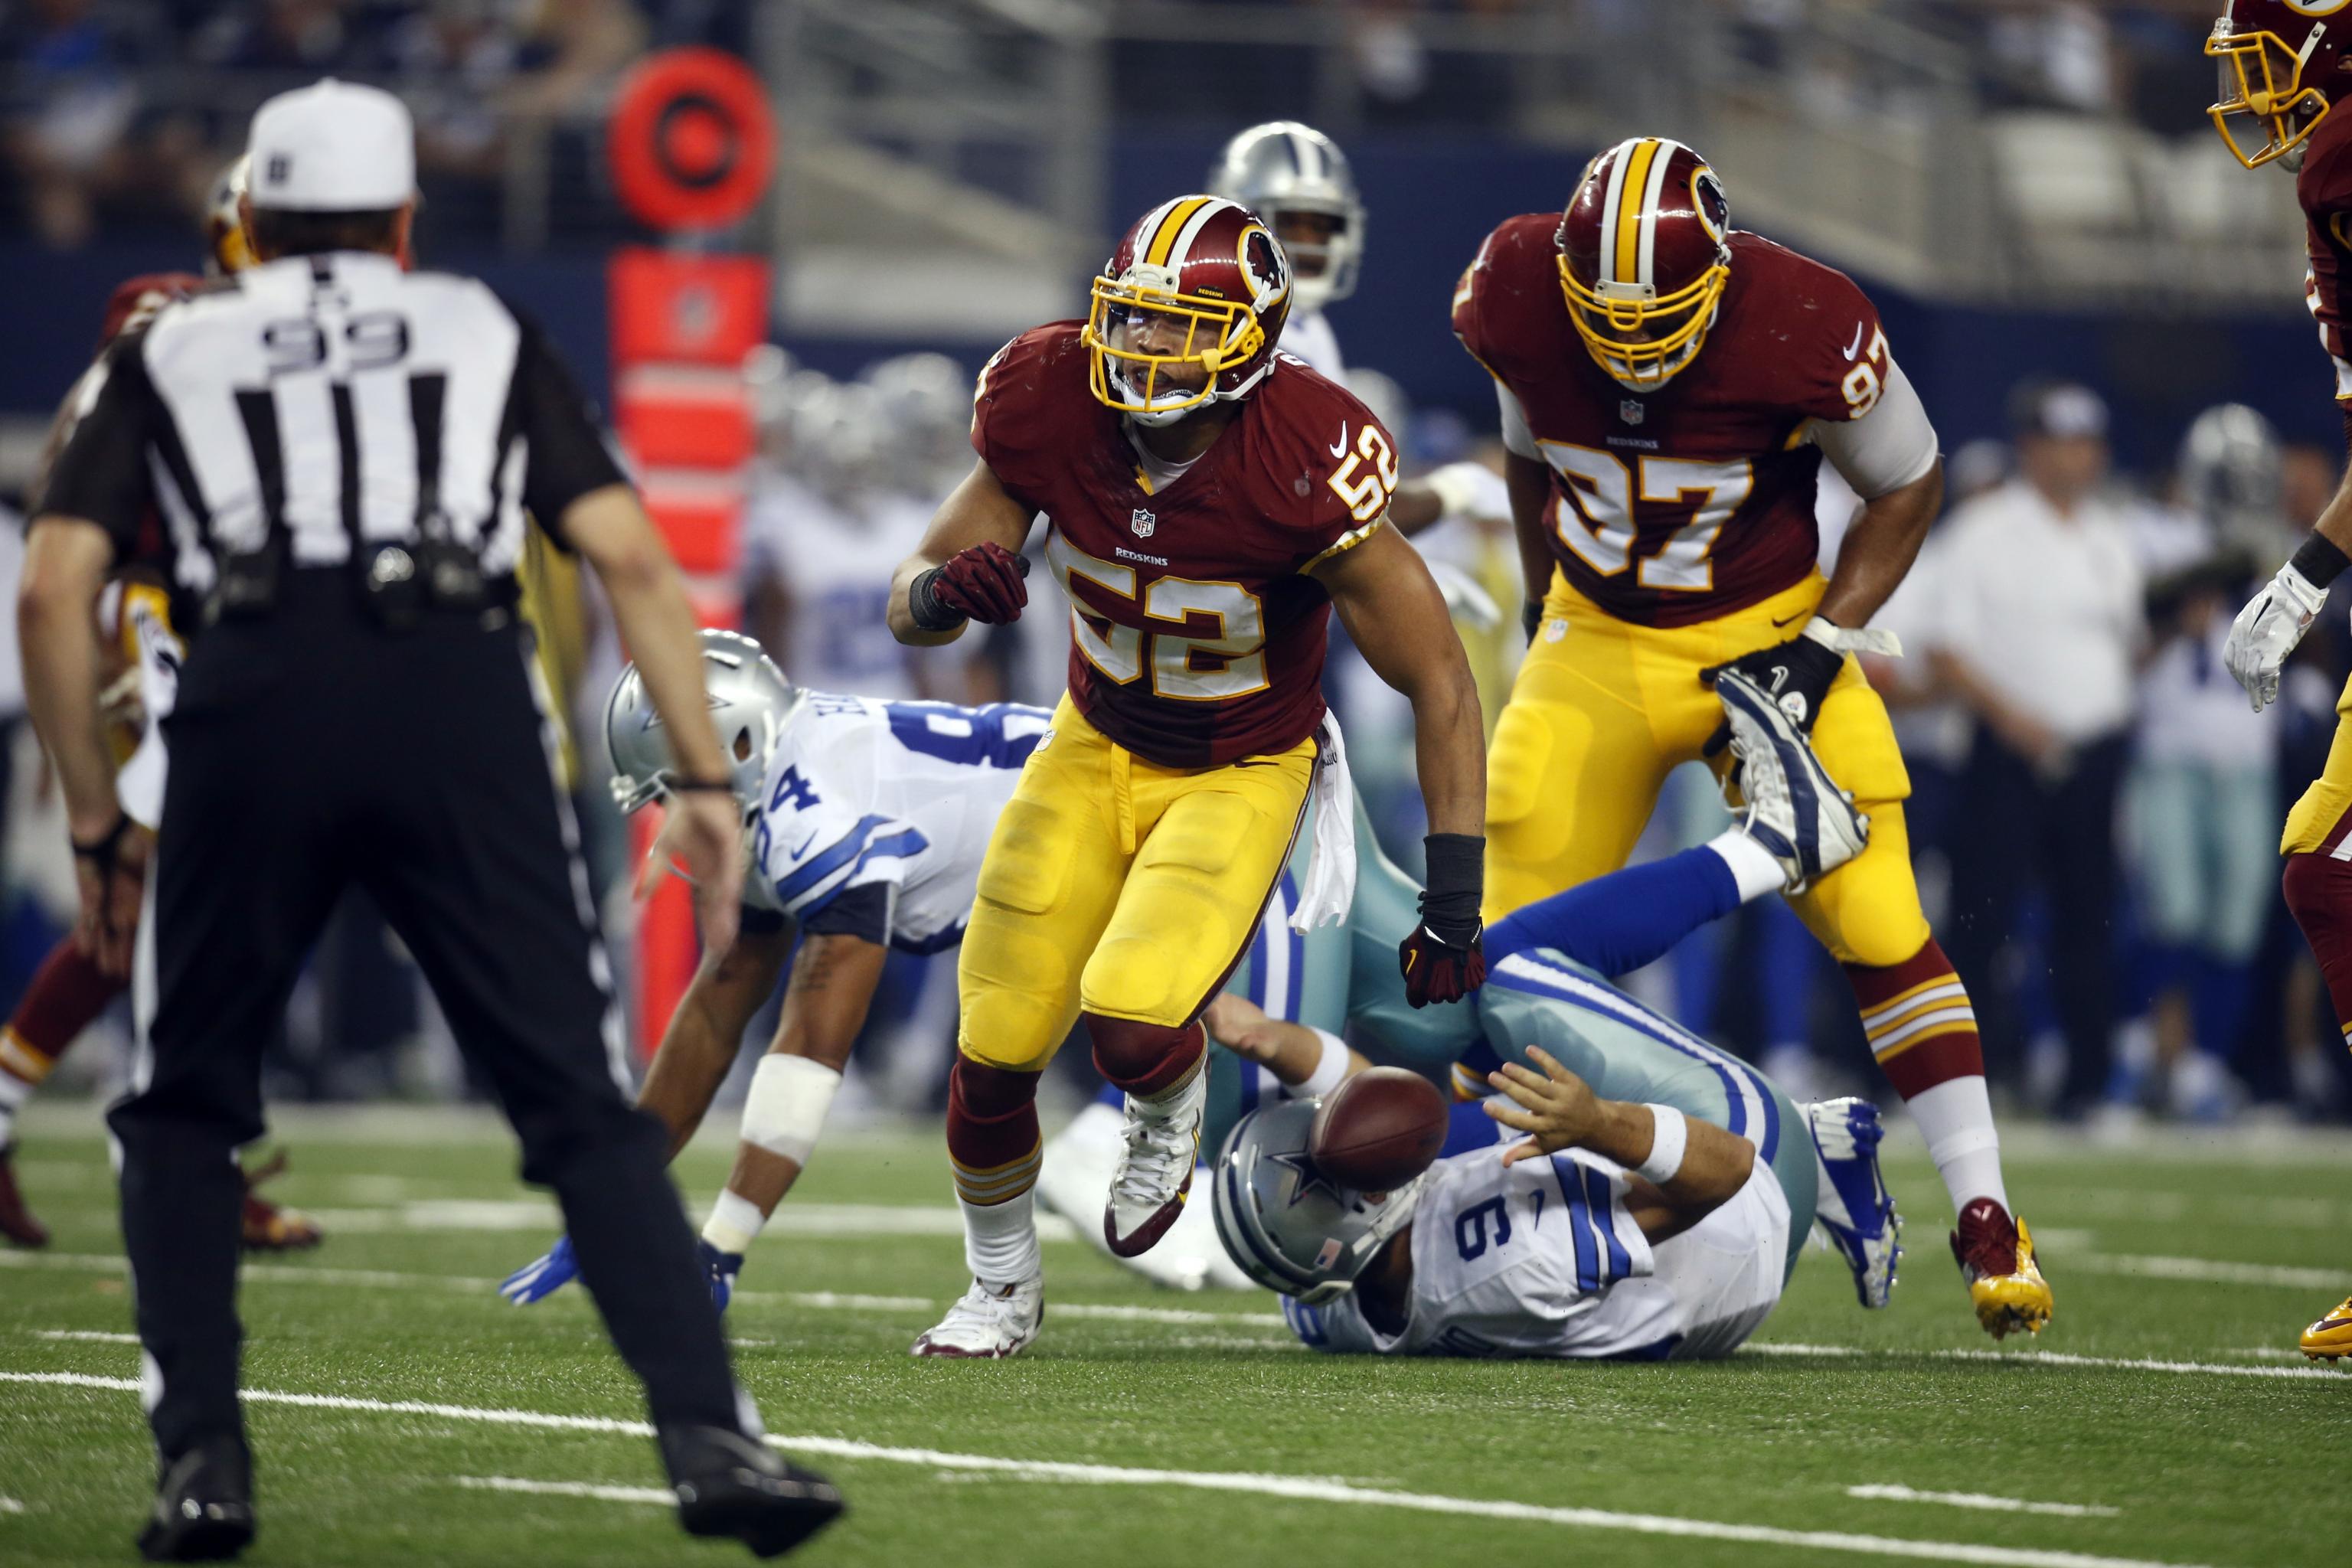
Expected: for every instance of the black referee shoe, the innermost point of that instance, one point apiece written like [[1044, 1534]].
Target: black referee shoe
[[728, 1484], [204, 1505]]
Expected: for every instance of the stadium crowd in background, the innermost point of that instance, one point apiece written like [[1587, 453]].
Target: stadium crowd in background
[[2131, 950]]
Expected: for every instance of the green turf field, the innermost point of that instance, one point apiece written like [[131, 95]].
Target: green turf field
[[1150, 1428]]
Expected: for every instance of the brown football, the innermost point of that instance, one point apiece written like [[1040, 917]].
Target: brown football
[[1379, 1130]]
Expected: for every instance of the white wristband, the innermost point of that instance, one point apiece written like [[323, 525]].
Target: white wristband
[[1331, 1069], [1669, 1136]]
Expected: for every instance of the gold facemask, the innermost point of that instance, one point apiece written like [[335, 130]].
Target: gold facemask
[[1215, 334], [2251, 63], [1607, 325]]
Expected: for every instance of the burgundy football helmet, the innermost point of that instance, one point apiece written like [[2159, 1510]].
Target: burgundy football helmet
[[2282, 62], [1645, 253], [1187, 311]]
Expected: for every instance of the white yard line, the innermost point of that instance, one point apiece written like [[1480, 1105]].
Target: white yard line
[[1302, 1488], [1886, 1493], [654, 1495], [99, 1336], [2205, 1270], [2046, 1358], [10, 1505]]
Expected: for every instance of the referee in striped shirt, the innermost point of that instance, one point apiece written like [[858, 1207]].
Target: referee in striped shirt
[[341, 454]]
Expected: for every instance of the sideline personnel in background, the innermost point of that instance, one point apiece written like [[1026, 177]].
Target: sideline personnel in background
[[343, 453]]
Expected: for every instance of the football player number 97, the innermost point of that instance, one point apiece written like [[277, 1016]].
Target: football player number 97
[[1189, 669]]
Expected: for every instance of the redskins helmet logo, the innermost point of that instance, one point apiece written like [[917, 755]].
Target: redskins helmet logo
[[1264, 264], [2317, 8], [1714, 207]]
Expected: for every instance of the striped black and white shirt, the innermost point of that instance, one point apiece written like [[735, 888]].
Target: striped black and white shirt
[[340, 400]]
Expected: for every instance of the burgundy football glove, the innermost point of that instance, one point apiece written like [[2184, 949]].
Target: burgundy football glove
[[982, 584], [1442, 959]]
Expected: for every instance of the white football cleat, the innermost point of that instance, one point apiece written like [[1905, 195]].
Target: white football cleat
[[1854, 1208], [1795, 810], [1081, 1162], [987, 1324], [1154, 1174]]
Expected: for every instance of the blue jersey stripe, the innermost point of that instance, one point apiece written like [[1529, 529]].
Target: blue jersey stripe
[[1604, 1214], [811, 873], [1569, 1175], [898, 845], [1740, 1080]]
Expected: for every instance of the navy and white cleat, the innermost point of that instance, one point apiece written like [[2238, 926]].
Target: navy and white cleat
[[1794, 809], [541, 1276], [1855, 1211], [719, 1270]]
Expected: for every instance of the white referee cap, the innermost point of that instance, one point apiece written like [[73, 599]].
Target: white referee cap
[[333, 146]]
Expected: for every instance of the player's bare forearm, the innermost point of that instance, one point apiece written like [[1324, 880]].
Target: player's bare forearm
[[707, 1031], [1557, 1110], [1291, 1052], [611, 530], [1414, 507], [1396, 613], [832, 984], [977, 512], [1880, 548], [1529, 483], [66, 562]]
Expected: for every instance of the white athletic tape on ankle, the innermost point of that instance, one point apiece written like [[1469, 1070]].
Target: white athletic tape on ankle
[[1669, 1136], [1331, 1069], [734, 1222], [785, 1109]]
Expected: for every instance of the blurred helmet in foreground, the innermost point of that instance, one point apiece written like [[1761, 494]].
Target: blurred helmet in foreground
[[1297, 180], [750, 703], [1287, 1225]]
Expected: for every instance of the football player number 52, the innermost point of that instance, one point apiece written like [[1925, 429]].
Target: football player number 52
[[1190, 669]]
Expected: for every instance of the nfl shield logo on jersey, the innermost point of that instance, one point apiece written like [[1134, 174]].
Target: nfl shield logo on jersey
[[1629, 409], [1143, 522]]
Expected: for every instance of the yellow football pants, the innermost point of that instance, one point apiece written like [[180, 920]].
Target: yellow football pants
[[1603, 709], [1118, 886], [2310, 824]]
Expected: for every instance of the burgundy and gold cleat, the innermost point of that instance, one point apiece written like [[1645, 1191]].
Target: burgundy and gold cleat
[[1996, 1258], [268, 1227], [16, 1222], [2330, 1339]]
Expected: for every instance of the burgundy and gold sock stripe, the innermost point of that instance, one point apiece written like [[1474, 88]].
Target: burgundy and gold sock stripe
[[998, 1184]]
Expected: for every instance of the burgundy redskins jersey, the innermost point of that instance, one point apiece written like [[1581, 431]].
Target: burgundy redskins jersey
[[1196, 635], [2324, 187], [1695, 499]]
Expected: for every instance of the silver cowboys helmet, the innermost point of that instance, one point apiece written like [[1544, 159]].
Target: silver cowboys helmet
[[751, 703], [2232, 475], [1287, 1225], [1282, 167]]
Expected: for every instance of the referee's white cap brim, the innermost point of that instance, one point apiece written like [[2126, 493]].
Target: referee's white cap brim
[[333, 146]]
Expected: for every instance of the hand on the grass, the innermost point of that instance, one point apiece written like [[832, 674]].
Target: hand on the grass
[[1557, 1109], [702, 835]]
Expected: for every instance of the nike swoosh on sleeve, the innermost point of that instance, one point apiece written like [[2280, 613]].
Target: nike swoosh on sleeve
[[1340, 449], [1854, 347]]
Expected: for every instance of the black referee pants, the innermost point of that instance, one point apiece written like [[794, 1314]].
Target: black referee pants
[[310, 751]]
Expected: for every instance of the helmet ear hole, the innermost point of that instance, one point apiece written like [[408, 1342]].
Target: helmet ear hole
[[743, 747]]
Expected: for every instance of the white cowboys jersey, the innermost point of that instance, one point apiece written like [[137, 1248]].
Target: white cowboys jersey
[[1310, 338], [897, 795], [1541, 1258], [835, 564]]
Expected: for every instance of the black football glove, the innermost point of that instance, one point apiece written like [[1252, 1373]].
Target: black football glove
[[982, 584], [1796, 675], [1441, 960]]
